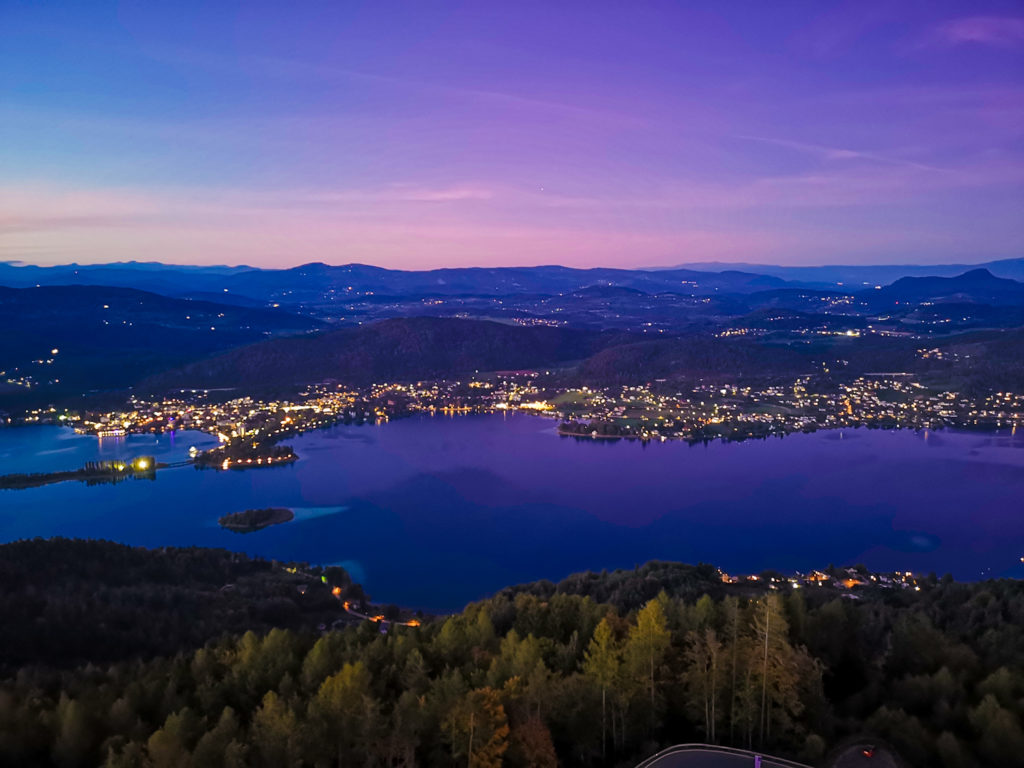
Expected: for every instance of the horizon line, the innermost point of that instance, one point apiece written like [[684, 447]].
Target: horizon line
[[694, 265]]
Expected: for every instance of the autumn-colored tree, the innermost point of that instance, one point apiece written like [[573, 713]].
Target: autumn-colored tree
[[131, 755], [646, 646], [530, 746], [343, 715], [323, 659], [525, 677], [703, 612], [169, 746], [215, 745], [602, 664], [274, 734], [477, 729], [777, 670], [73, 738]]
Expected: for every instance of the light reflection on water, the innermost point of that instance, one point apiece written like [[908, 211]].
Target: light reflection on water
[[439, 512]]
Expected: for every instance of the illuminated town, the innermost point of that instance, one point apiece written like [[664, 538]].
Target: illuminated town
[[706, 411], [512, 385]]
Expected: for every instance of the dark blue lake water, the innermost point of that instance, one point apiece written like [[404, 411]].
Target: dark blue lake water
[[433, 513]]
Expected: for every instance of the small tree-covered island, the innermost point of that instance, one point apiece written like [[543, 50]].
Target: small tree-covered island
[[121, 656], [255, 519]]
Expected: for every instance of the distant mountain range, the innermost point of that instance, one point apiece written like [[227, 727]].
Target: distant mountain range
[[434, 347], [167, 279], [854, 275], [321, 282], [250, 328]]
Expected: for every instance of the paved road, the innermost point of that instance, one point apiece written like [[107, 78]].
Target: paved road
[[696, 759], [706, 756], [697, 756]]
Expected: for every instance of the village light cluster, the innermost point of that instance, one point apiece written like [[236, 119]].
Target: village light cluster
[[705, 410]]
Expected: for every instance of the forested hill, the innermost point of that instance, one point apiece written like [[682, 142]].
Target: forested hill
[[547, 674], [397, 349], [317, 278], [977, 285], [410, 349], [69, 601], [64, 340]]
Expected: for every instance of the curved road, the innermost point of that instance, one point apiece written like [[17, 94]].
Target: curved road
[[708, 756]]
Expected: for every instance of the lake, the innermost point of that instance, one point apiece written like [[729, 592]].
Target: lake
[[435, 512]]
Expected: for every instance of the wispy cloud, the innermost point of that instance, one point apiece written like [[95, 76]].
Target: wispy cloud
[[845, 178], [44, 207], [837, 153], [392, 193], [287, 69], [53, 224], [834, 29], [999, 31], [472, 224]]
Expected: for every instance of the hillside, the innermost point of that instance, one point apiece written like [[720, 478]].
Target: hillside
[[600, 669], [306, 282], [397, 349], [852, 275], [70, 601], [690, 356], [984, 361], [977, 285], [108, 337], [167, 279], [320, 282], [409, 349]]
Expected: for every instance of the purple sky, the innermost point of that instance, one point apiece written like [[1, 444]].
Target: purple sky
[[426, 134]]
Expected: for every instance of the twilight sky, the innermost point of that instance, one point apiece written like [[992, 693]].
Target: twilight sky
[[424, 134]]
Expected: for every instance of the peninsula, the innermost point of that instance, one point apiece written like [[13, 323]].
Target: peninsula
[[93, 473]]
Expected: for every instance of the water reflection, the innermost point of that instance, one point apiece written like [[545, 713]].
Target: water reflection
[[438, 512]]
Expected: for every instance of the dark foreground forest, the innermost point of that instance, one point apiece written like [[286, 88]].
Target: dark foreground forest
[[602, 669]]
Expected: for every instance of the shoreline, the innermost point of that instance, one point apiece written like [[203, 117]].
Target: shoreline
[[93, 473]]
